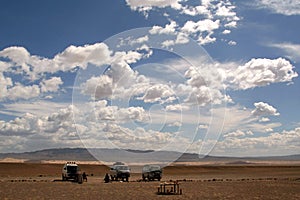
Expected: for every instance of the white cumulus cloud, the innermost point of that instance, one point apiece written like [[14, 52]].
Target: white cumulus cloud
[[264, 119], [264, 109], [261, 72], [74, 56], [98, 87], [157, 93], [201, 26], [177, 107], [51, 85], [237, 133], [168, 29], [149, 4], [201, 20], [275, 143], [20, 91], [70, 58], [33, 68]]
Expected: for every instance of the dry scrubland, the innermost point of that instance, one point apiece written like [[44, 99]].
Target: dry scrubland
[[43, 181]]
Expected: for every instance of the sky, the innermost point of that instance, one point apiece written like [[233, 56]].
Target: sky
[[201, 76]]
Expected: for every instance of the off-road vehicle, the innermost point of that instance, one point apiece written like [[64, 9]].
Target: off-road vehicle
[[120, 172], [71, 171], [151, 172]]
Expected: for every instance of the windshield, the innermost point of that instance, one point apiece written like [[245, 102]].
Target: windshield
[[154, 168], [123, 167], [72, 169]]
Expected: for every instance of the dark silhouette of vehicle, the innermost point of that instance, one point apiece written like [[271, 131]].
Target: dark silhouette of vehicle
[[120, 172], [71, 171], [151, 172]]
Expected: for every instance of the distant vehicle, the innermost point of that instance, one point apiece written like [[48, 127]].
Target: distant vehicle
[[71, 171], [151, 172], [120, 172]]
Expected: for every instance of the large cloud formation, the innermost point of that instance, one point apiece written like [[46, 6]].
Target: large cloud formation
[[58, 129], [70, 58], [33, 68], [201, 21]]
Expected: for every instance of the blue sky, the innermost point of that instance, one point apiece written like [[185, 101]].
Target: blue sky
[[211, 77]]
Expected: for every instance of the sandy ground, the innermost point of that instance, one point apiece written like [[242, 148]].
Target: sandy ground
[[43, 181]]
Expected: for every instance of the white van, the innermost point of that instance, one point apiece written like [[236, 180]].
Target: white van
[[71, 171]]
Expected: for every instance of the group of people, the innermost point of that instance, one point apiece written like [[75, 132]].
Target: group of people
[[106, 177]]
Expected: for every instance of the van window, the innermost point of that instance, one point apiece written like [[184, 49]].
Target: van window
[[72, 169]]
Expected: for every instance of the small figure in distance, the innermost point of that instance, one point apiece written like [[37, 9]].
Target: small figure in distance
[[106, 178], [84, 176]]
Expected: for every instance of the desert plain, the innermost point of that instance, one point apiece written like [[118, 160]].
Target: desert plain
[[235, 181]]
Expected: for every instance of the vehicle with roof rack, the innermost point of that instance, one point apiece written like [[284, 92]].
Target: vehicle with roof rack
[[118, 171], [151, 172], [71, 171]]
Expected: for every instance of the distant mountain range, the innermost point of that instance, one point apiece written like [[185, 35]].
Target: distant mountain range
[[133, 156]]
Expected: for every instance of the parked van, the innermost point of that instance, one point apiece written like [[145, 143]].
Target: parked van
[[71, 171], [120, 172], [151, 172]]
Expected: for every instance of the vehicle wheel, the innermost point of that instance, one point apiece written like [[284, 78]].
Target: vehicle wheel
[[144, 179], [159, 179], [127, 179], [63, 178]]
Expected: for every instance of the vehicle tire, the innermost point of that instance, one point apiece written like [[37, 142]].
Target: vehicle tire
[[63, 178], [127, 178], [159, 179], [144, 179]]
